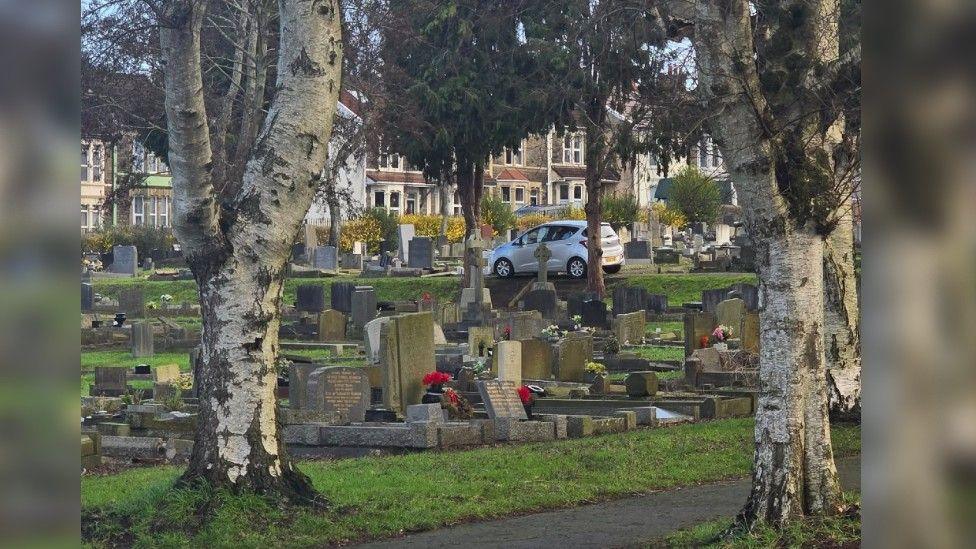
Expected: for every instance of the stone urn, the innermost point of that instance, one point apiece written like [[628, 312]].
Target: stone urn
[[434, 394]]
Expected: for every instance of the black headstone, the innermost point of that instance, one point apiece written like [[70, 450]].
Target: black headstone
[[627, 299], [421, 253], [342, 295], [543, 301], [711, 298], [749, 293], [657, 303], [637, 249], [87, 296], [574, 304], [595, 314], [311, 297], [298, 253]]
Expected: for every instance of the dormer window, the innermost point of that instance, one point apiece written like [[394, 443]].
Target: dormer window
[[513, 156], [573, 148]]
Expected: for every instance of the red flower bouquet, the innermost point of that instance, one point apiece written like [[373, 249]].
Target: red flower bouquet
[[436, 378], [525, 395]]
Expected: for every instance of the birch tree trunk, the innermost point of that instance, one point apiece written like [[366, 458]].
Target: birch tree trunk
[[841, 320], [238, 254]]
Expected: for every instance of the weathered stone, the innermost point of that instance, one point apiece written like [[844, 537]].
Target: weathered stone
[[630, 327], [697, 324], [600, 385], [711, 299], [501, 399], [332, 326], [508, 355], [731, 313], [310, 297], [113, 429], [421, 253], [109, 381], [646, 415], [166, 373], [406, 234], [468, 297], [325, 258], [298, 383], [637, 249], [341, 390], [125, 260], [363, 305], [629, 417], [709, 357], [407, 354], [87, 296], [750, 332], [595, 314], [512, 430], [142, 339], [480, 341], [641, 384], [132, 302], [425, 412], [543, 301], [579, 426], [573, 352], [536, 359], [371, 338]]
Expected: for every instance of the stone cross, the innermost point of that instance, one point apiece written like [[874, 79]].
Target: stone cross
[[543, 254], [476, 263]]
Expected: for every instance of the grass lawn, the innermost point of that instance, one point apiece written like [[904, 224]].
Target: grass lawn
[[659, 353], [681, 288], [838, 531], [676, 327], [384, 496]]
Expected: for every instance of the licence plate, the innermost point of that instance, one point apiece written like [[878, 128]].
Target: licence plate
[[611, 259]]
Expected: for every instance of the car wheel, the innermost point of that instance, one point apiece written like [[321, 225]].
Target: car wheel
[[504, 268], [576, 268], [611, 269]]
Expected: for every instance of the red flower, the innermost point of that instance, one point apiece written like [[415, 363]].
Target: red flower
[[453, 396], [436, 378], [525, 395]]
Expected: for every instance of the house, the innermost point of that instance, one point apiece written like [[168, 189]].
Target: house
[[351, 174], [650, 185], [96, 178]]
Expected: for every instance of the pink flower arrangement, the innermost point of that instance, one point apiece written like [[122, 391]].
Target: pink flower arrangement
[[722, 333]]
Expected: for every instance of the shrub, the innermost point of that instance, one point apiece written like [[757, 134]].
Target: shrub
[[526, 222], [364, 229], [696, 196], [430, 226], [669, 216], [146, 239], [619, 211], [496, 213]]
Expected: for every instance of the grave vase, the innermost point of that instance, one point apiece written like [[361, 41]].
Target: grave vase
[[434, 394], [721, 346], [528, 410]]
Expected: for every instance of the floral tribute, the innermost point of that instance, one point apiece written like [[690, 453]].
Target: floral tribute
[[456, 405], [525, 395], [722, 333], [436, 378]]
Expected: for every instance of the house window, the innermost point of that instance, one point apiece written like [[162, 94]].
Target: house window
[[85, 221], [519, 195], [98, 162], [573, 148], [564, 192], [534, 197], [85, 162], [411, 203], [577, 192], [395, 202], [379, 199], [151, 213], [388, 161], [506, 194], [513, 157], [138, 211], [164, 205]]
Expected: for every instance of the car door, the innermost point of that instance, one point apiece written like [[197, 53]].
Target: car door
[[559, 242], [525, 254]]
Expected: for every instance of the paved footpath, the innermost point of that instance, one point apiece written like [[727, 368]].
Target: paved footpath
[[617, 523]]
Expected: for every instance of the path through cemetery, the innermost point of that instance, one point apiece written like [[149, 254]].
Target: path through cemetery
[[634, 521]]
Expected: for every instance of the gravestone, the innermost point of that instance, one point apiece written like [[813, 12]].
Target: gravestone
[[407, 354], [630, 327], [749, 337], [332, 325], [351, 261], [711, 298], [627, 299], [87, 296], [421, 253], [166, 373], [477, 310], [448, 313], [697, 324], [595, 314], [341, 295], [109, 381], [371, 338], [666, 256], [132, 302], [439, 338], [573, 352], [310, 297], [142, 339], [542, 256], [521, 324], [508, 357], [536, 359], [480, 341], [637, 249], [298, 373], [363, 306], [541, 300], [359, 248], [641, 384], [405, 233], [574, 304], [731, 313], [125, 260], [298, 253], [748, 293], [501, 399], [657, 303], [342, 391]]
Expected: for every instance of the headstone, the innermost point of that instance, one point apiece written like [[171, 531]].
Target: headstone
[[87, 296], [351, 261], [641, 384], [630, 327], [637, 249], [298, 373], [508, 355], [697, 324], [406, 233], [166, 373], [132, 302], [142, 339], [600, 385], [363, 305], [448, 313], [543, 301], [310, 297], [709, 359], [359, 248], [125, 260], [439, 338], [748, 293], [421, 253], [468, 297], [475, 311], [711, 299], [627, 299], [657, 303], [536, 359], [666, 256], [371, 338], [480, 341], [749, 336], [542, 256], [341, 295], [342, 390], [595, 313], [332, 325], [501, 399], [731, 313], [573, 352], [574, 304], [298, 253], [407, 354], [109, 381]]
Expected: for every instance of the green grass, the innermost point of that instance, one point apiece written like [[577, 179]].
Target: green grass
[[662, 376], [681, 288], [833, 531], [384, 496], [659, 353], [387, 289], [669, 326]]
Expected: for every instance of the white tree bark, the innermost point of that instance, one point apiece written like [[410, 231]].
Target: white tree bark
[[842, 319], [239, 255]]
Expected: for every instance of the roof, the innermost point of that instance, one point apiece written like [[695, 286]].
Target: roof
[[663, 189], [579, 172], [380, 176], [511, 174]]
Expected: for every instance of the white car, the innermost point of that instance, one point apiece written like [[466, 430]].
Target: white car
[[566, 241]]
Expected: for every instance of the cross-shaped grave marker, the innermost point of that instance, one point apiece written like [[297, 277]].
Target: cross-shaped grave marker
[[543, 254]]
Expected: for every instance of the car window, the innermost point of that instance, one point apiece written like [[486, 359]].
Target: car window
[[535, 235], [606, 231], [559, 233]]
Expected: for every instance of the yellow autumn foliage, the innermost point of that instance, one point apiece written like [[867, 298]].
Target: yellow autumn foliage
[[364, 229], [430, 226], [669, 216]]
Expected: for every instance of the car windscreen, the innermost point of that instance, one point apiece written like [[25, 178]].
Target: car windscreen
[[606, 231]]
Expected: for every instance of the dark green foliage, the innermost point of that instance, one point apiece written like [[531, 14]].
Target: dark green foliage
[[696, 196], [388, 224], [619, 211], [496, 213]]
